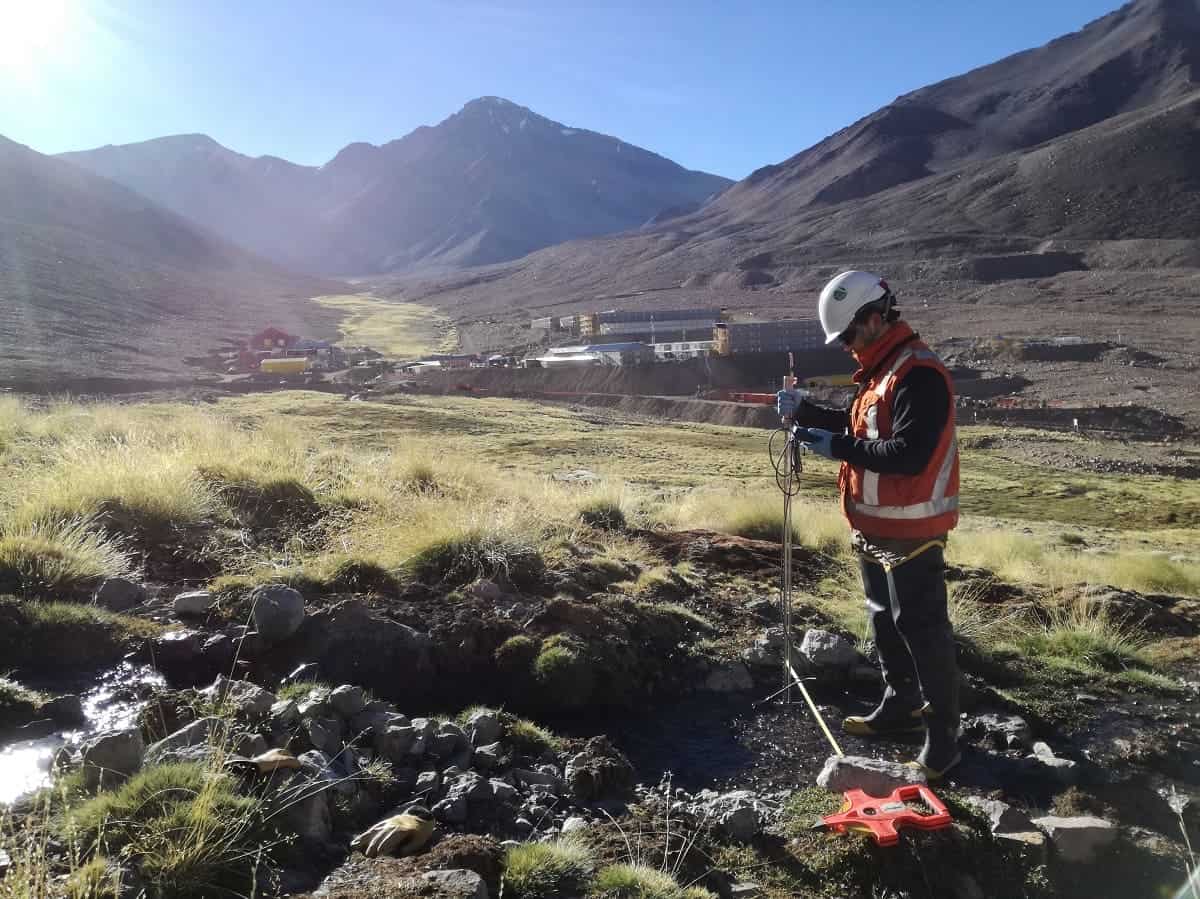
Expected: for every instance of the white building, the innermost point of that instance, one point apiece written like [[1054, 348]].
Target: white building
[[687, 349]]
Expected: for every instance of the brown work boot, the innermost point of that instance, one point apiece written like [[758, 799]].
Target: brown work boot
[[940, 752], [893, 717]]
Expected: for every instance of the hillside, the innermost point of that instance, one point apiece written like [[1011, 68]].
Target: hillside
[[490, 183], [98, 281]]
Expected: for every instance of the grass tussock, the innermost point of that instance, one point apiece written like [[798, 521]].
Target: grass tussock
[[530, 738], [757, 514], [51, 559], [556, 870], [54, 636], [1083, 634], [192, 834]]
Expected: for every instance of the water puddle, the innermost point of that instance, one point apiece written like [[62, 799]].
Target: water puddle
[[110, 702]]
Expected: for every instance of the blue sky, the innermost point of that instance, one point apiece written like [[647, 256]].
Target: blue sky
[[721, 86]]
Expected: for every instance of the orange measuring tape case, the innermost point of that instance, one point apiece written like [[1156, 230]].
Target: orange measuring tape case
[[883, 818]]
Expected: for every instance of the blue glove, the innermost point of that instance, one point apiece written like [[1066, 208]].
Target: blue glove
[[786, 403], [816, 441]]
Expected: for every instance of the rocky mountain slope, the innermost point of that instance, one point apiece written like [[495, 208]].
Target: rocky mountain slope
[[98, 281], [490, 183]]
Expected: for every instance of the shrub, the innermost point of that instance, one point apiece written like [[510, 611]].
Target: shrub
[[555, 870], [564, 672], [641, 882], [56, 636], [190, 832], [603, 514], [58, 559]]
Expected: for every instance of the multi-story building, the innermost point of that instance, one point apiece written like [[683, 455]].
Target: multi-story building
[[795, 336]]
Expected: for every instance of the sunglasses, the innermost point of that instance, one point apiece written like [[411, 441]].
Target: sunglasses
[[847, 336]]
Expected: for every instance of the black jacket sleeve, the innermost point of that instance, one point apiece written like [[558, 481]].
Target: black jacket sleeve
[[810, 415], [920, 410]]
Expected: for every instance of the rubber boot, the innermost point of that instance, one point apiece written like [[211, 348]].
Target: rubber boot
[[893, 717]]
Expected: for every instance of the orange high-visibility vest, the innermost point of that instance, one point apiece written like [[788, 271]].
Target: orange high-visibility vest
[[895, 505]]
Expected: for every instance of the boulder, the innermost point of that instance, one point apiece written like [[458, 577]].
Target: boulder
[[285, 713], [193, 603], [428, 782], [111, 757], [826, 650], [278, 612], [731, 677], [118, 595], [325, 734], [1062, 771], [489, 591], [347, 700], [487, 757], [248, 699], [484, 727], [457, 884], [178, 651], [451, 810], [1001, 817], [601, 770], [740, 814], [304, 810], [1000, 730], [218, 652], [503, 791], [875, 777], [173, 747], [394, 743], [1077, 839]]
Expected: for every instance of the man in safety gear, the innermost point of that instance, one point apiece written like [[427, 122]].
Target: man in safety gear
[[899, 489]]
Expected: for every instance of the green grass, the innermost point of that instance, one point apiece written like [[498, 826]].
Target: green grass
[[57, 559], [190, 832], [17, 703], [641, 882], [556, 870], [299, 690], [40, 636], [400, 330], [457, 558], [1083, 637], [529, 737]]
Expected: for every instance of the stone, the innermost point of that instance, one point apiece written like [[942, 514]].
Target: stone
[[394, 743], [823, 649], [325, 734], [1030, 843], [428, 783], [537, 778], [489, 591], [218, 652], [305, 811], [111, 757], [1061, 771], [248, 699], [451, 811], [278, 612], [119, 595], [523, 826], [767, 651], [315, 704], [574, 823], [424, 728], [178, 649], [251, 745], [347, 700], [739, 814], [170, 748], [487, 757], [484, 727], [1077, 839], [285, 713], [875, 777], [600, 770], [745, 891], [731, 677], [193, 603], [502, 791], [1000, 730], [320, 767], [1043, 750], [1001, 817], [456, 884], [66, 710]]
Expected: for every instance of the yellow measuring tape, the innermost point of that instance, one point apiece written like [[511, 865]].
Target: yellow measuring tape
[[813, 708]]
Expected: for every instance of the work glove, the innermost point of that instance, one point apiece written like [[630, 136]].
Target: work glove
[[787, 402], [399, 835], [816, 440]]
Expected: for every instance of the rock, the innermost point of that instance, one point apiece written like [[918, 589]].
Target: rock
[[1135, 610], [318, 766], [285, 713], [1043, 750], [489, 591], [875, 777], [305, 811], [428, 783], [484, 727], [502, 791], [347, 700], [247, 699], [66, 710], [110, 757], [823, 649], [33, 730], [218, 652], [731, 677], [394, 743], [1077, 839], [170, 748], [251, 745], [278, 611], [1061, 771], [739, 814], [865, 675], [1031, 843], [451, 811], [535, 778], [601, 770], [764, 609], [745, 891], [325, 734], [315, 704], [457, 884], [178, 650], [194, 602], [119, 595], [1000, 730], [574, 823], [487, 757], [767, 651], [523, 826], [1002, 817]]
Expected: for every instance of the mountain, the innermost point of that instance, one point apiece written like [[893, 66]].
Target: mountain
[[492, 182], [97, 280]]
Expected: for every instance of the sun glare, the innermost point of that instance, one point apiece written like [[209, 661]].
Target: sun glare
[[34, 33]]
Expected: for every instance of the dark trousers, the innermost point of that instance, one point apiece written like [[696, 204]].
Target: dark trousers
[[911, 628]]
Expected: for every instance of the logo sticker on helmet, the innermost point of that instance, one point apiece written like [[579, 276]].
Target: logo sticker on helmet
[[839, 294]]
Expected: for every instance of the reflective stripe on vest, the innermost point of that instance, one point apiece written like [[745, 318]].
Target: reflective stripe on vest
[[938, 504]]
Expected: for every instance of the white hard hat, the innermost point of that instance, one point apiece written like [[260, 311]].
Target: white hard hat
[[844, 296]]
